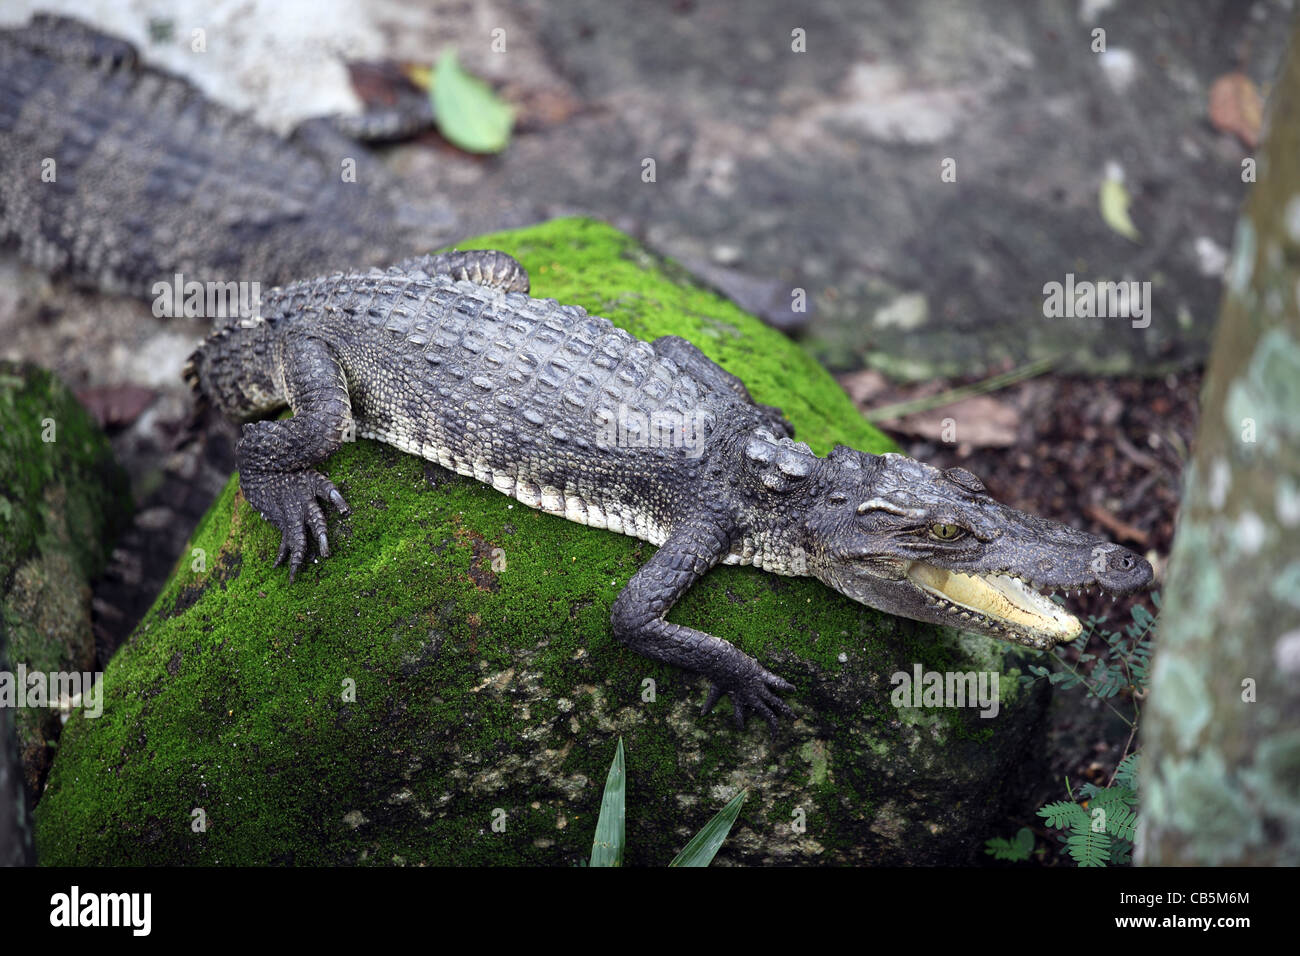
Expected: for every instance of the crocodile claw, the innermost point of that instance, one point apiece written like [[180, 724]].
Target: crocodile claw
[[288, 501], [753, 692]]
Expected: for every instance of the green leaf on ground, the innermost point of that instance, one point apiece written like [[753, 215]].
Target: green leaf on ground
[[1114, 200], [468, 113]]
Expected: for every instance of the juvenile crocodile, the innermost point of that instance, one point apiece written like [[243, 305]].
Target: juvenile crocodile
[[557, 409], [119, 175]]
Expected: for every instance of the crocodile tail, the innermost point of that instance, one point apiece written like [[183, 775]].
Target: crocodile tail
[[232, 371], [192, 371], [70, 40]]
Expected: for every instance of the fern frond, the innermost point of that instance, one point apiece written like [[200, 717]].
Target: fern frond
[[1121, 822], [1121, 853], [1017, 848], [1086, 847], [1127, 772], [1063, 814], [1117, 795]]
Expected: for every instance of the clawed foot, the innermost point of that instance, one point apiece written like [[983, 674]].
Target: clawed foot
[[288, 501], [752, 692]]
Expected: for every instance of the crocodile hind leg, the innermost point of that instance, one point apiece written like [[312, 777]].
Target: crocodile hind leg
[[638, 620], [486, 267], [708, 372], [276, 458]]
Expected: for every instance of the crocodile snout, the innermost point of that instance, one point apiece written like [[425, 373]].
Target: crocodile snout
[[1122, 571]]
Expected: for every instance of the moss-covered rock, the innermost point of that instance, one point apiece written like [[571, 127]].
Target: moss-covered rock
[[445, 687], [63, 499]]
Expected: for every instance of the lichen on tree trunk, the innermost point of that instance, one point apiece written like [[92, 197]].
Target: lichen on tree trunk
[[1221, 780]]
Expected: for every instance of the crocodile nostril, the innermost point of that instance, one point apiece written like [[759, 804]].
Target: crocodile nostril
[[1125, 572]]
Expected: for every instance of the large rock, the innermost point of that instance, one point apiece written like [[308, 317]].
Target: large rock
[[63, 499], [488, 686]]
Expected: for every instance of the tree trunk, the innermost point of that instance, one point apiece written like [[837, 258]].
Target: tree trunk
[[1221, 766]]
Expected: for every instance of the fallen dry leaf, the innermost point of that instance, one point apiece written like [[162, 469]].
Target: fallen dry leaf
[[864, 385], [381, 83], [979, 421], [1236, 107], [115, 406]]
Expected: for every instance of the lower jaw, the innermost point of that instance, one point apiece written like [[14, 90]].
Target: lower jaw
[[996, 605]]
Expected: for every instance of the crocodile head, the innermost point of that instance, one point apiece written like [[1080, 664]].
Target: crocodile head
[[907, 538]]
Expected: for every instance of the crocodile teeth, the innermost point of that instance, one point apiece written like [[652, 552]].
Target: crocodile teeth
[[996, 599]]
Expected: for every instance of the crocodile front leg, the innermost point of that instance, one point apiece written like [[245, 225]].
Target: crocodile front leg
[[638, 619], [275, 458]]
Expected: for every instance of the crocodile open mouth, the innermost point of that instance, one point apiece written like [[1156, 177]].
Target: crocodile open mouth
[[995, 602]]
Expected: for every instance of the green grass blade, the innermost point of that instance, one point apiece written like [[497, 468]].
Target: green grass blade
[[705, 844], [607, 847]]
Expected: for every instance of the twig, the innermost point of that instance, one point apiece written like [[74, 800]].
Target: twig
[[1092, 691], [1117, 527], [1140, 489], [1135, 455], [899, 409], [1131, 735]]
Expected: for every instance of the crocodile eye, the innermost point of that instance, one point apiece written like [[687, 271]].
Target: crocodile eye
[[946, 532]]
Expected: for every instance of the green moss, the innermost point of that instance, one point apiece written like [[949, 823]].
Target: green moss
[[482, 690], [56, 472], [63, 500]]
